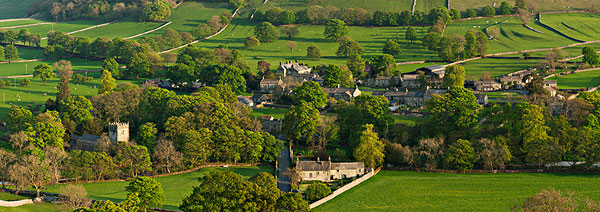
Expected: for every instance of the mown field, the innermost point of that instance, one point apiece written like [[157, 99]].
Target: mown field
[[369, 5], [121, 29], [14, 8], [418, 191], [370, 38], [18, 22], [496, 67], [586, 79], [540, 5], [582, 26], [175, 187], [47, 207]]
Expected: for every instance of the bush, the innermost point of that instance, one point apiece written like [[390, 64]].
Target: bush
[[24, 82], [2, 83], [317, 191], [80, 78]]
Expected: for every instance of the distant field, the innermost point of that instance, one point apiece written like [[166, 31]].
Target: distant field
[[370, 38], [29, 54], [12, 69], [418, 191], [18, 23], [175, 187], [369, 5], [68, 26], [586, 79], [583, 26], [188, 15], [14, 8], [496, 67], [121, 29], [540, 5]]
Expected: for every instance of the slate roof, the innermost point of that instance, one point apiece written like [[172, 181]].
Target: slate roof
[[346, 166], [313, 165], [93, 139]]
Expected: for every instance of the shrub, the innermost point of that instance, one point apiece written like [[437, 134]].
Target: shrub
[[317, 191], [24, 82]]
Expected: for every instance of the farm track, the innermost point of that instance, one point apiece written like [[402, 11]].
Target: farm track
[[87, 28], [149, 31]]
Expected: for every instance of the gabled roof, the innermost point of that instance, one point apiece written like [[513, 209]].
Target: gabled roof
[[313, 165], [346, 166], [86, 138], [271, 81]]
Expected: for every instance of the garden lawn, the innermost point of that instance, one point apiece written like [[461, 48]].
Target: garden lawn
[[586, 79], [14, 8], [175, 187], [370, 38], [541, 5], [419, 191], [277, 113], [408, 121], [496, 67], [582, 26], [121, 29], [188, 15], [504, 95], [513, 36]]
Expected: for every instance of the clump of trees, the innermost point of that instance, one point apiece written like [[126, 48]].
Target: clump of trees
[[156, 10]]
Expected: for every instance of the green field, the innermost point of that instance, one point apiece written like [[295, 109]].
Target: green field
[[583, 26], [369, 5], [29, 54], [12, 69], [188, 15], [586, 79], [408, 121], [496, 67], [418, 191], [370, 38], [14, 8], [540, 5], [18, 23], [175, 187], [121, 29], [67, 26], [277, 113], [504, 95], [47, 207]]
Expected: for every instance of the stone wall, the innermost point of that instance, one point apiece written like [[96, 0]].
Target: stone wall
[[344, 188], [16, 203]]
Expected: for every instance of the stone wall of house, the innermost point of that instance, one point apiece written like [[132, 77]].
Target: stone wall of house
[[344, 188]]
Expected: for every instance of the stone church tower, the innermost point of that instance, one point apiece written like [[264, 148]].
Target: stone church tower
[[118, 132]]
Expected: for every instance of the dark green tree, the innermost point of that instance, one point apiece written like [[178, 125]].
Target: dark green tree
[[349, 47], [10, 52], [505, 8], [313, 52], [317, 191], [148, 190], [310, 92], [335, 29], [590, 56], [43, 71], [266, 32], [382, 65], [251, 43], [454, 113], [411, 34], [454, 76], [461, 155], [156, 11], [392, 48], [300, 123]]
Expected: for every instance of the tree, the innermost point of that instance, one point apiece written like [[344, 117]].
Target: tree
[[43, 71], [156, 11], [166, 156], [10, 52], [107, 83], [172, 38], [1, 53], [134, 159], [538, 146], [335, 76], [251, 42], [31, 170], [77, 109], [349, 47], [290, 31], [441, 15], [454, 77], [301, 122], [555, 200], [521, 4], [187, 37], [335, 29], [46, 130], [75, 196], [266, 32], [24, 82], [392, 48], [214, 75], [356, 65], [147, 136], [411, 34], [430, 151], [471, 13], [316, 191], [461, 155], [492, 154], [590, 56], [138, 66], [313, 52], [382, 65], [148, 190], [488, 11], [291, 45], [455, 14], [202, 31], [18, 118], [505, 8], [482, 41], [292, 202], [371, 148], [453, 113], [310, 92]]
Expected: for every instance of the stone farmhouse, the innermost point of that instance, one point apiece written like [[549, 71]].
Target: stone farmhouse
[[415, 98], [272, 85], [487, 85], [117, 132], [344, 93], [292, 69], [271, 125], [327, 171], [434, 75], [383, 82]]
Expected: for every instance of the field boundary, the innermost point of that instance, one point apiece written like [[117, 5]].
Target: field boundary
[[16, 203], [539, 21], [16, 19], [149, 31], [87, 28], [27, 25], [345, 188]]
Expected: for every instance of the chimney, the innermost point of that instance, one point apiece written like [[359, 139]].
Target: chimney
[[318, 159], [329, 158]]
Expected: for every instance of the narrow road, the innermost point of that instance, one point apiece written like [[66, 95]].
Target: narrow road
[[283, 182]]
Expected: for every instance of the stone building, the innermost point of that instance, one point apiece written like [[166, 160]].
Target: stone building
[[271, 125], [383, 82], [272, 85], [292, 68], [118, 132], [327, 171], [434, 76], [414, 98], [487, 85], [344, 93], [85, 142]]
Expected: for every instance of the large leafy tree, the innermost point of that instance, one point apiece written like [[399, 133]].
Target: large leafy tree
[[454, 113], [43, 71], [292, 202], [139, 65], [310, 92], [590, 56], [382, 65], [11, 52], [371, 148], [316, 191], [335, 29], [266, 32], [148, 190], [313, 52], [411, 34], [454, 76], [538, 146], [77, 109], [301, 122], [147, 136], [133, 159], [392, 48], [335, 75], [107, 83], [461, 155], [366, 109], [224, 74], [156, 11], [356, 65], [349, 47], [46, 130], [18, 118]]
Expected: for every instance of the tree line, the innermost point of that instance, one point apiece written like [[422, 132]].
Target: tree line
[[154, 10]]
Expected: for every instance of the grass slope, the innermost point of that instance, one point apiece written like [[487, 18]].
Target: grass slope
[[496, 67], [583, 26], [370, 38], [14, 8], [120, 29], [47, 207], [369, 5], [417, 191], [175, 187], [18, 23], [188, 15], [12, 69], [586, 79], [67, 26], [540, 5]]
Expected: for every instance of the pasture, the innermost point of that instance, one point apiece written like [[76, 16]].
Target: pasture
[[121, 29], [18, 68], [19, 22], [369, 5], [188, 15], [14, 8], [586, 80], [370, 38], [496, 67], [47, 207], [175, 187], [540, 5], [582, 26], [419, 191]]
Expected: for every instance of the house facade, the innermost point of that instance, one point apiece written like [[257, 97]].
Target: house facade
[[487, 85], [327, 171], [344, 93], [292, 68]]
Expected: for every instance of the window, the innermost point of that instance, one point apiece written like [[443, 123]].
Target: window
[[310, 175]]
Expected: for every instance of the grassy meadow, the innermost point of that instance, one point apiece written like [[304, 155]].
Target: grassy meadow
[[419, 191], [582, 26], [47, 207], [19, 23], [540, 5], [586, 79], [14, 8], [188, 15], [121, 29], [369, 5], [496, 67], [175, 187]]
